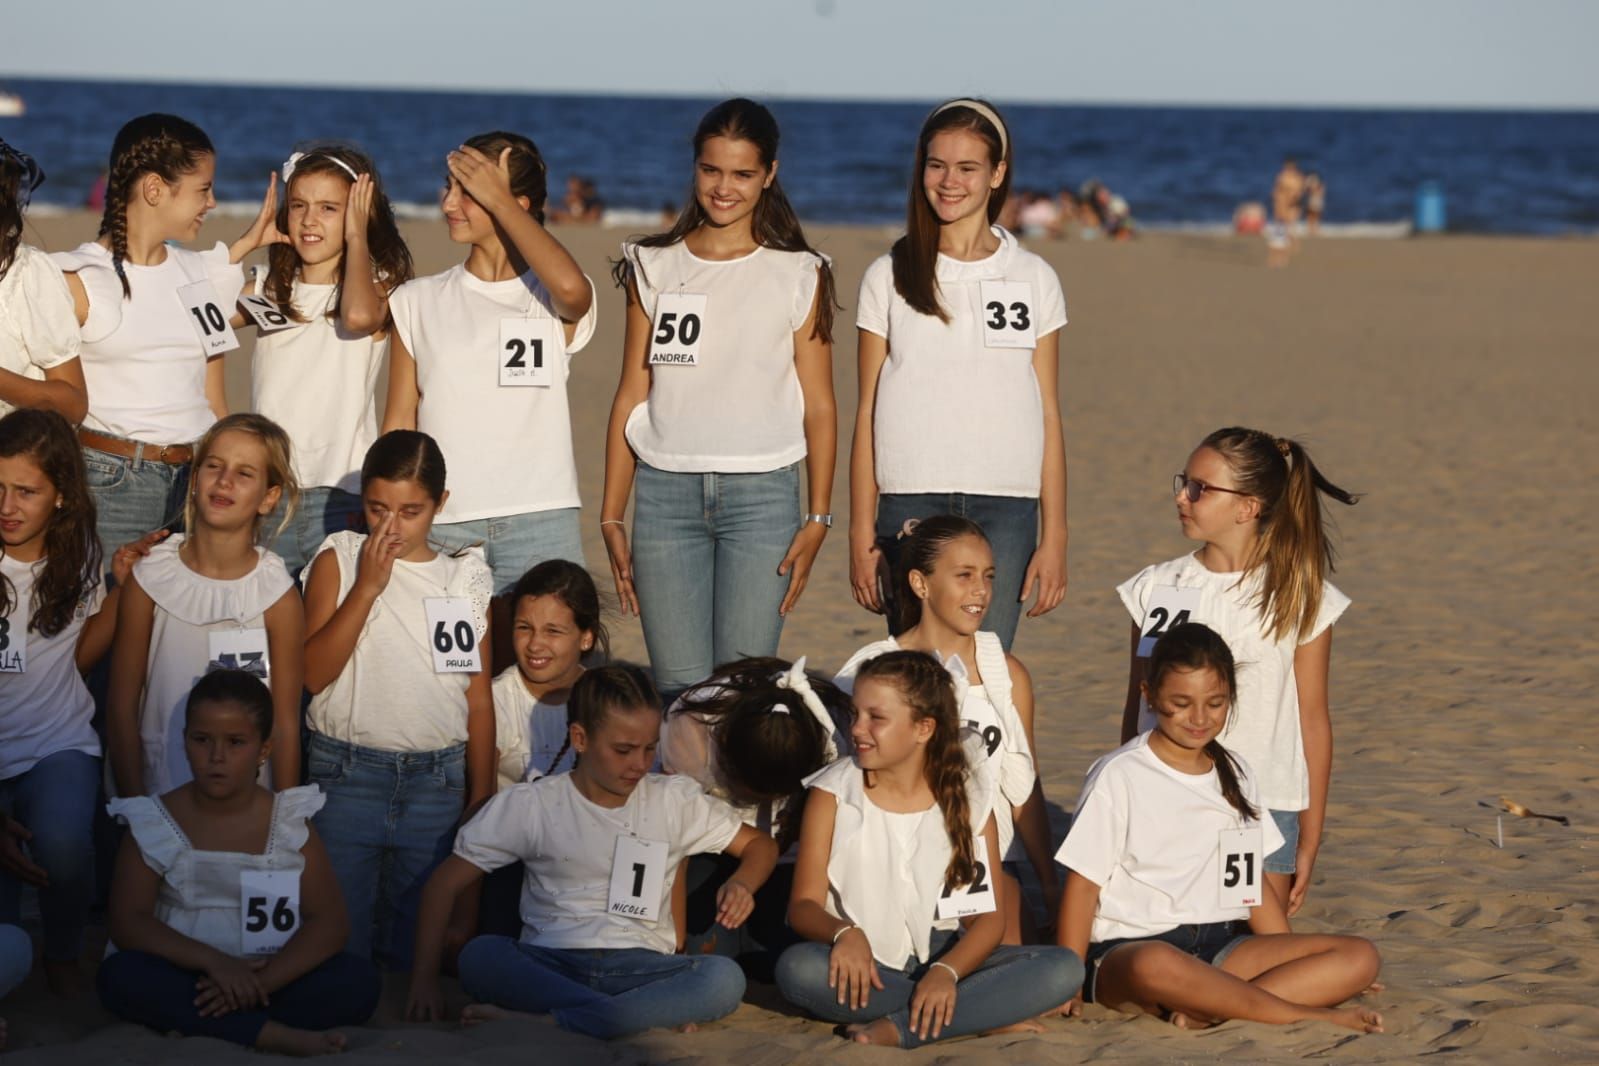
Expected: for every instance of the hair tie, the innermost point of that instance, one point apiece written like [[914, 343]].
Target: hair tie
[[294, 161], [32, 174], [254, 667], [1284, 446], [908, 528], [988, 113], [795, 680]]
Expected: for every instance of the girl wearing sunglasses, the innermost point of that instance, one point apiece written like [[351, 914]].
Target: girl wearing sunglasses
[[1259, 578]]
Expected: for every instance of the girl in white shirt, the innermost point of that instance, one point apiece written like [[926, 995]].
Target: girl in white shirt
[[316, 364], [153, 319], [1165, 894], [225, 918], [38, 331], [894, 890], [726, 385], [600, 846], [479, 361], [401, 717], [944, 590], [960, 327], [212, 594], [1259, 579]]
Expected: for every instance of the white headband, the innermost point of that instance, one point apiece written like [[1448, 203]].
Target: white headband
[[294, 160], [795, 681], [988, 113]]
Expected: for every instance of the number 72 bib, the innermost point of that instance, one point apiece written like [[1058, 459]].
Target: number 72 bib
[[975, 898]]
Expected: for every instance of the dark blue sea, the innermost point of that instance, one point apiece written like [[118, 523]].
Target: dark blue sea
[[1502, 171]]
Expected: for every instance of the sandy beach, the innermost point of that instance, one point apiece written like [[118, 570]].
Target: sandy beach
[[1453, 381]]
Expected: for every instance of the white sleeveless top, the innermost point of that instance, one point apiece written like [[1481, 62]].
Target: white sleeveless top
[[388, 697], [38, 328], [528, 732], [740, 410], [319, 382], [47, 707], [142, 358], [199, 894], [886, 871], [189, 607], [988, 716]]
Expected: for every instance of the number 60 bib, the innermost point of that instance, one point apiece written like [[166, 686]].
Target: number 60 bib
[[452, 635]]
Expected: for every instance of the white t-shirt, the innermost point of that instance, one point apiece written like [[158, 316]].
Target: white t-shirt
[[1147, 835], [954, 415], [988, 716], [46, 708], [142, 358], [528, 732], [568, 845], [508, 448], [319, 382], [38, 326], [1264, 727], [739, 409], [387, 696]]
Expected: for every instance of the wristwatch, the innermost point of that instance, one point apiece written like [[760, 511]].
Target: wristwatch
[[820, 519]]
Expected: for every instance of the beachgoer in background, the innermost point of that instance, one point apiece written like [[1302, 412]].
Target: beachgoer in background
[[1282, 235], [1259, 578], [1163, 885], [1039, 215], [1249, 218], [581, 204], [1315, 202], [959, 377]]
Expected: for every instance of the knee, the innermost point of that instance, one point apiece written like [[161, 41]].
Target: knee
[[479, 960], [361, 981], [721, 984], [800, 969], [1364, 959], [1153, 966], [1062, 973]]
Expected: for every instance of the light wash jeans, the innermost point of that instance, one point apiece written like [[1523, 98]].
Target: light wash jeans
[[1013, 984], [706, 548], [56, 799], [602, 992], [389, 820], [516, 543], [1011, 523], [133, 497], [16, 958], [323, 510]]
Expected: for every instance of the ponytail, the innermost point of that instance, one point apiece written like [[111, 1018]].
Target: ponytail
[[598, 692], [1227, 776], [1294, 550]]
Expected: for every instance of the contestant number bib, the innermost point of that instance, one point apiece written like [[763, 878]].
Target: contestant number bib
[[638, 874], [1168, 606], [975, 898], [1242, 867], [268, 317], [527, 352], [1008, 315], [13, 644], [240, 649], [269, 909], [990, 734], [205, 315], [679, 327], [452, 636]]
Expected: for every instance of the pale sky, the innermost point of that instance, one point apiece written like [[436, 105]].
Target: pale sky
[[1416, 53]]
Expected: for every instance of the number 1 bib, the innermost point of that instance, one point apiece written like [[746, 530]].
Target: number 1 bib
[[679, 323], [269, 909], [451, 635], [527, 352], [200, 300], [638, 873], [1008, 315]]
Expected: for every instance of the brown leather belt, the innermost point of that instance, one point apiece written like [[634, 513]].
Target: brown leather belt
[[175, 454]]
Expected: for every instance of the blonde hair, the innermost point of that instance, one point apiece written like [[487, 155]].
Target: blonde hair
[[279, 466]]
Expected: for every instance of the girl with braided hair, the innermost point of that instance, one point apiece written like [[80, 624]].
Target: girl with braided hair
[[1258, 578], [153, 321], [895, 892]]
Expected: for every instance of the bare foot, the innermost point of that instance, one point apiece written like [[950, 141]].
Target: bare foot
[[880, 1032], [1372, 989], [477, 1013], [1187, 1021], [687, 1027], [1360, 1019], [1028, 1025], [65, 978], [302, 1043]]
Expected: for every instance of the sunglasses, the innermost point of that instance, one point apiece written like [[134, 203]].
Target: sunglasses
[[1193, 488]]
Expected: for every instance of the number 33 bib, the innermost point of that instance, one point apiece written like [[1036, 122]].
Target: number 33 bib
[[1008, 312]]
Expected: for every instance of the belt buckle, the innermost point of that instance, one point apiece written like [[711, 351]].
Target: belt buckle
[[161, 456]]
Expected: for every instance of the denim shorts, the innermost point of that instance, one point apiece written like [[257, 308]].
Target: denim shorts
[[1284, 859], [1208, 942]]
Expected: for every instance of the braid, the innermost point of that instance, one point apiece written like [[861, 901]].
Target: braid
[[163, 145], [566, 745], [114, 224]]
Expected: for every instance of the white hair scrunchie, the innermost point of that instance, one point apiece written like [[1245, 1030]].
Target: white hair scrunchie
[[794, 680]]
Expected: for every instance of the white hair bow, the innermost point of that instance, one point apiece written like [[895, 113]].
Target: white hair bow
[[794, 680]]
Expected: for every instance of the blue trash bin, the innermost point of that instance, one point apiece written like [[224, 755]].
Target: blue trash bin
[[1431, 216]]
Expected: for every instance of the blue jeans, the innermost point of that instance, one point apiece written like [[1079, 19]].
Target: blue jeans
[[516, 543], [1011, 523], [1013, 984], [322, 511], [706, 548], [149, 990], [55, 800], [602, 992], [132, 497], [390, 818], [16, 958], [1208, 942], [765, 935], [1285, 860]]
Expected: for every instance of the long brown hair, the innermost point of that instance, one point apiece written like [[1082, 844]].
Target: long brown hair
[[915, 255], [19, 176], [391, 259], [920, 551], [279, 470], [774, 223], [618, 687], [1293, 548], [924, 684], [164, 145], [71, 548], [1195, 646]]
